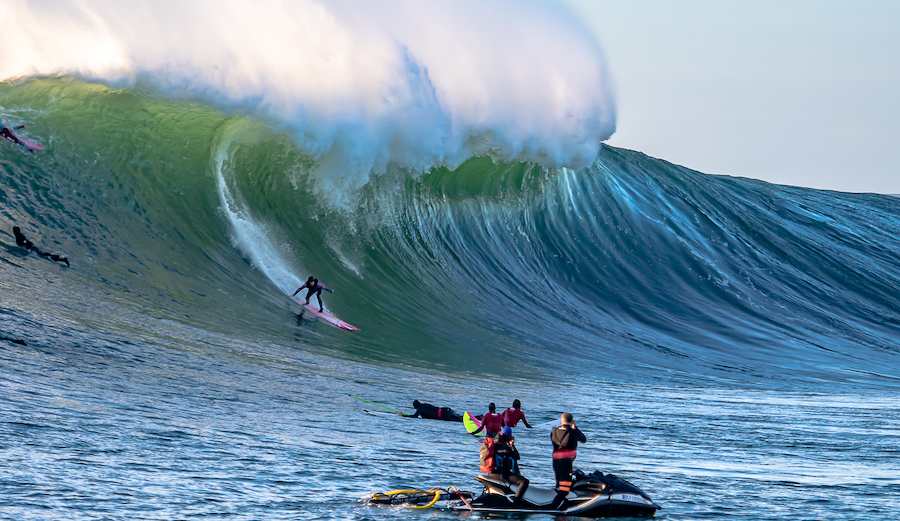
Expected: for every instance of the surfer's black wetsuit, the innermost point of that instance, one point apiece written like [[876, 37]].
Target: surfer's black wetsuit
[[430, 412], [316, 287], [23, 241], [565, 439], [318, 291]]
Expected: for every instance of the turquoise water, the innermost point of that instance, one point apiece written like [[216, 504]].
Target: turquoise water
[[728, 345]]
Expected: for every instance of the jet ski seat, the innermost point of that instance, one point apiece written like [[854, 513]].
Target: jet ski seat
[[534, 495], [539, 496]]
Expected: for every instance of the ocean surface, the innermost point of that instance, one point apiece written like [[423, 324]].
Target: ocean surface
[[729, 346]]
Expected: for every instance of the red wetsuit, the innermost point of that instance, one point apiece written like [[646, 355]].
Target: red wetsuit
[[512, 416], [491, 423]]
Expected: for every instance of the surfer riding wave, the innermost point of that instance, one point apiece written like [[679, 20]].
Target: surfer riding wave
[[314, 287]]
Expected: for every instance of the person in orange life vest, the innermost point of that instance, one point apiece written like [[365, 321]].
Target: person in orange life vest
[[512, 415], [505, 463], [491, 422], [565, 440]]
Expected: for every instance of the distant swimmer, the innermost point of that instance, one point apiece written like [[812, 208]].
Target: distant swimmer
[[6, 133], [314, 287], [23, 241], [430, 412]]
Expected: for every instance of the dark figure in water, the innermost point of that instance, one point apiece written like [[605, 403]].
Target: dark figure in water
[[314, 287], [6, 133], [430, 412], [23, 241]]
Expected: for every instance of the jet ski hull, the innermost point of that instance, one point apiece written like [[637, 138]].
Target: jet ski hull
[[594, 495]]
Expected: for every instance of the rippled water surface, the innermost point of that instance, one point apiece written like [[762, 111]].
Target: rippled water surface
[[729, 346], [95, 427]]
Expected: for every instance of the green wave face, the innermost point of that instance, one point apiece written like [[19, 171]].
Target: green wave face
[[631, 268]]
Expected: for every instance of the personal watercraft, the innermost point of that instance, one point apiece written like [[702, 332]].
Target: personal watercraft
[[592, 495]]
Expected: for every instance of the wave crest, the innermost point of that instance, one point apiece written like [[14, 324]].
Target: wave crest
[[361, 86]]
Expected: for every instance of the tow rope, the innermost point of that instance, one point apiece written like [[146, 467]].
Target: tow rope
[[413, 498]]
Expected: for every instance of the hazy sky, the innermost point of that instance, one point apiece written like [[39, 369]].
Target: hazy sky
[[804, 93]]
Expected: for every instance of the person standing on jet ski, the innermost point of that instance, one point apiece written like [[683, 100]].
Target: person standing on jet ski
[[430, 412], [565, 440], [512, 415], [506, 462], [491, 422]]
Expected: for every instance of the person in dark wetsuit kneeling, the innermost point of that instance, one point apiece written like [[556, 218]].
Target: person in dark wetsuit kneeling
[[314, 287], [506, 462], [565, 439], [430, 412], [23, 241]]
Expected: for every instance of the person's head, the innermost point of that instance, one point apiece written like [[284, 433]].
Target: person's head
[[492, 407], [517, 404], [315, 282], [16, 230], [566, 419], [416, 403], [310, 279], [505, 435]]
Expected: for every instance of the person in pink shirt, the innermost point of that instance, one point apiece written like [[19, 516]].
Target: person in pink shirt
[[512, 415], [492, 422]]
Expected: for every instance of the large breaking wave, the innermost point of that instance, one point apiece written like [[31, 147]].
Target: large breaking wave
[[439, 165], [630, 268], [359, 86]]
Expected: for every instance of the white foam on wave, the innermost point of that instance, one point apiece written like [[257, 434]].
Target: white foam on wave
[[253, 238], [359, 85]]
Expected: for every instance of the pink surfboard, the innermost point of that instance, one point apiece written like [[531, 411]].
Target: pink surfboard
[[27, 142], [325, 316], [31, 144]]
